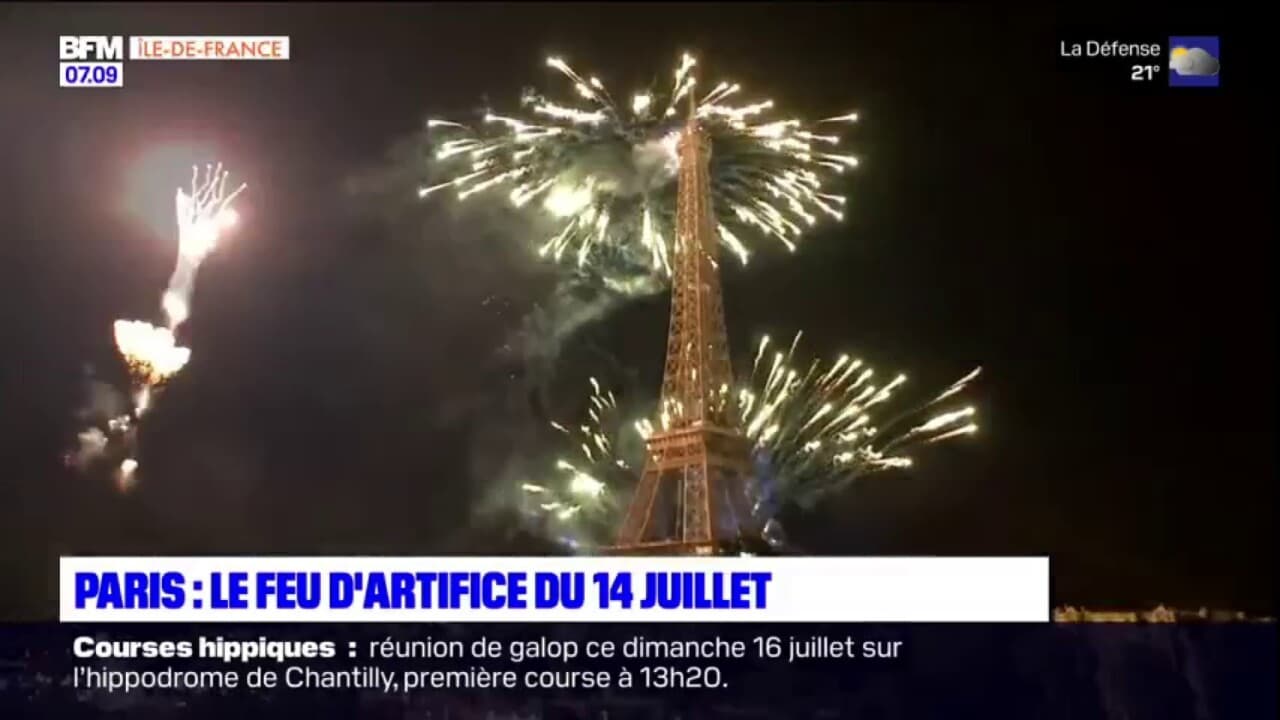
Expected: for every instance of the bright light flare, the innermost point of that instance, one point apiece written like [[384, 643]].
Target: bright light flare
[[127, 475], [151, 352], [565, 201], [151, 174], [205, 212]]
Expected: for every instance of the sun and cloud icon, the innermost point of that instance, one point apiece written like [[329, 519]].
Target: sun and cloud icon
[[1193, 61]]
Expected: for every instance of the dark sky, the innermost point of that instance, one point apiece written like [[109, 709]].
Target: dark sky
[[1101, 250]]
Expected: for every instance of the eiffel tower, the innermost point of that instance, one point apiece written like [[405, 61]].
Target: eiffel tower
[[691, 499]]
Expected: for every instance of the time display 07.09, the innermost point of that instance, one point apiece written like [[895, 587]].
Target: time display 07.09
[[91, 74]]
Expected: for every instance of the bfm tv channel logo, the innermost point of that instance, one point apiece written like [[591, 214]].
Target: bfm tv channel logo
[[97, 60], [102, 48]]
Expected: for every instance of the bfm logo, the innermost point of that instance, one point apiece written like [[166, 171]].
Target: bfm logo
[[95, 47]]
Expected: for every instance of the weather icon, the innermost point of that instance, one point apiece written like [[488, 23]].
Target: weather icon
[[1193, 61]]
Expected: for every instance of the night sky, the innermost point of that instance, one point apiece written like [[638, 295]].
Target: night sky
[[1102, 251]]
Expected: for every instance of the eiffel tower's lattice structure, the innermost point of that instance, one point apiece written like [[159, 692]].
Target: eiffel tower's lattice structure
[[691, 497]]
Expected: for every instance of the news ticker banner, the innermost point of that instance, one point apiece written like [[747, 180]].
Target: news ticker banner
[[549, 589], [993, 671], [98, 60]]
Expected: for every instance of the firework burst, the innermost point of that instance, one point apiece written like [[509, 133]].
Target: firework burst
[[581, 493], [822, 427], [151, 352], [605, 173], [815, 429]]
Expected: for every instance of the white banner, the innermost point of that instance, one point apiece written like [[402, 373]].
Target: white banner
[[553, 589], [208, 47]]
